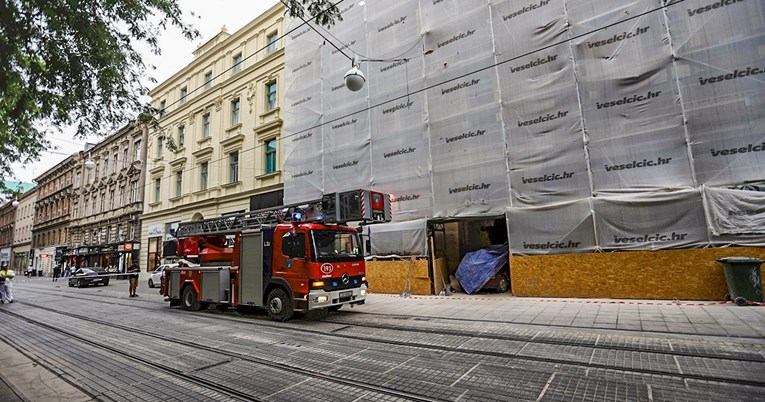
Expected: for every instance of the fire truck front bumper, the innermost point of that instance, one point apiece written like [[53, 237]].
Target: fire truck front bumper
[[322, 299]]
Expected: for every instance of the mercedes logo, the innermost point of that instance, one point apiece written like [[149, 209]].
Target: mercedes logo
[[345, 279]]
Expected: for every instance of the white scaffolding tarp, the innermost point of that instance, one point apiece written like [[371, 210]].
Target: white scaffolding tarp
[[408, 238], [736, 216], [592, 125]]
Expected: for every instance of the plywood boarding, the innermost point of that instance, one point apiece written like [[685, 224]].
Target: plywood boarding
[[390, 276], [441, 272], [668, 274]]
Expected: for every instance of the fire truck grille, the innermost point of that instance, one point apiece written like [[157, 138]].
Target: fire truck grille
[[345, 282]]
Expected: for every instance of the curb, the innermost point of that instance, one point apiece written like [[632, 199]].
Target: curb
[[650, 303]]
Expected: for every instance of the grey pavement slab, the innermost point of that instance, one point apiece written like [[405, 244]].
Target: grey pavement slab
[[27, 381], [8, 392], [656, 316]]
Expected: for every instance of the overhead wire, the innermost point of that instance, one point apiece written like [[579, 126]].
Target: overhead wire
[[426, 88], [305, 22], [367, 58], [160, 112], [225, 71]]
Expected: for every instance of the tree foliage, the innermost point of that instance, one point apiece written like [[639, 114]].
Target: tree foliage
[[73, 63], [323, 12]]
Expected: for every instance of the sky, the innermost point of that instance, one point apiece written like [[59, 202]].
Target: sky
[[176, 54]]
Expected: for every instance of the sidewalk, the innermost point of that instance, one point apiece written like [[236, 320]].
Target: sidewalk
[[705, 318]]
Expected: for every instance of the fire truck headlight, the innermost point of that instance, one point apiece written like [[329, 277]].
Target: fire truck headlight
[[362, 292], [320, 299]]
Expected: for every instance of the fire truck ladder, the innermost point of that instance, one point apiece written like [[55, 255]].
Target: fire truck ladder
[[251, 220]]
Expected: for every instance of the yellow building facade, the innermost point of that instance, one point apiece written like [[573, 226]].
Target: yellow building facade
[[215, 150]]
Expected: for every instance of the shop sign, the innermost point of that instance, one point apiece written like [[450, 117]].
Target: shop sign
[[157, 230], [5, 254], [128, 246]]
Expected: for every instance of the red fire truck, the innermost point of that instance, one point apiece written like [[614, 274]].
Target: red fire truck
[[292, 258]]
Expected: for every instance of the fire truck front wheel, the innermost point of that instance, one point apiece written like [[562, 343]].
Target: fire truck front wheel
[[189, 299], [279, 305]]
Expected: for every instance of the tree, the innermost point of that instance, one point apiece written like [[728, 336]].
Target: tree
[[73, 63], [323, 12]]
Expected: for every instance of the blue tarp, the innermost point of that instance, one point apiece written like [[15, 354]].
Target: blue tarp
[[477, 267]]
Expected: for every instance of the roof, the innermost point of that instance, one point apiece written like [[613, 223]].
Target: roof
[[19, 186]]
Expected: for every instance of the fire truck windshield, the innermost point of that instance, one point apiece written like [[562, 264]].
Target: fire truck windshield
[[332, 246]]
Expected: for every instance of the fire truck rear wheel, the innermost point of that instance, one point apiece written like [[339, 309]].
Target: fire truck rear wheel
[[279, 305], [189, 299]]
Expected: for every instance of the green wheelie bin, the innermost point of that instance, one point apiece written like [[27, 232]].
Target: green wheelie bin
[[744, 279]]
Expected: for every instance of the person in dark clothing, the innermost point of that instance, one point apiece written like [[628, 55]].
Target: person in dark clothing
[[56, 272], [133, 270]]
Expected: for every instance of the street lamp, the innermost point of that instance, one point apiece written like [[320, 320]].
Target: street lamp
[[354, 78], [89, 164], [15, 203]]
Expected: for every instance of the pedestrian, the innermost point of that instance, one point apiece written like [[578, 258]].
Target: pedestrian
[[56, 272], [6, 284], [67, 270], [30, 270], [133, 270]]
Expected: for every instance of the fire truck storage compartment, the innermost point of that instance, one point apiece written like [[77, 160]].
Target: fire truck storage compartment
[[216, 284], [174, 289], [251, 269]]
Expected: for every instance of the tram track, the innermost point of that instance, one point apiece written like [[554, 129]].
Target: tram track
[[208, 384], [234, 394], [342, 331], [669, 346]]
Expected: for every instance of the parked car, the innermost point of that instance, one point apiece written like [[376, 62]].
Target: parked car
[[155, 279], [88, 276], [485, 269], [500, 282]]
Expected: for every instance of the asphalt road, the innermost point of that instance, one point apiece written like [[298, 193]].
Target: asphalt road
[[61, 343]]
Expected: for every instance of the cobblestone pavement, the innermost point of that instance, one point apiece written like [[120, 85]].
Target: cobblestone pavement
[[706, 318], [63, 343]]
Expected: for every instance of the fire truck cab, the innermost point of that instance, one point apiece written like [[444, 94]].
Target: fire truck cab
[[295, 258]]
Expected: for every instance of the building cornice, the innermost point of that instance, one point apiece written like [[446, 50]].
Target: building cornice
[[251, 29]]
